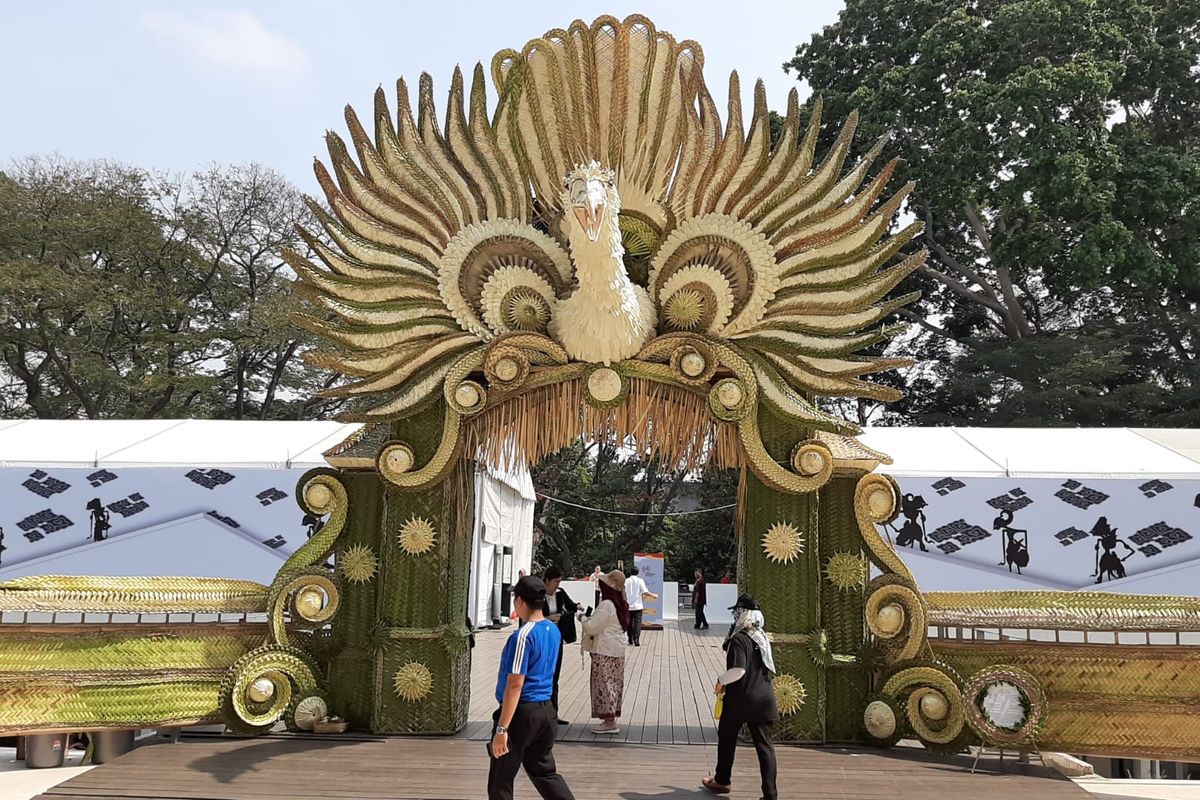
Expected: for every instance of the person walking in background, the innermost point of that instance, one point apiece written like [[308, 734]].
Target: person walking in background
[[699, 600], [636, 593], [726, 578], [525, 728], [604, 638], [595, 578], [559, 609], [749, 701]]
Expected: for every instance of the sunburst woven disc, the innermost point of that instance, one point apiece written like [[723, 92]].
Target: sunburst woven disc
[[783, 542], [846, 571], [417, 536], [358, 563], [789, 694], [413, 681]]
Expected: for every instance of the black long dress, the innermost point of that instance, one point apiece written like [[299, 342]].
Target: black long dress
[[750, 702]]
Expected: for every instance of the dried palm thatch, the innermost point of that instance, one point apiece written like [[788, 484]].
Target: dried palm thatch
[[1102, 611], [656, 421]]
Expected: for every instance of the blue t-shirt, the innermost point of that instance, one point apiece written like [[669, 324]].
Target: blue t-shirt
[[532, 651]]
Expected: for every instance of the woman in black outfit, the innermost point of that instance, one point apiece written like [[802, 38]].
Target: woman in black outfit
[[560, 609], [749, 701]]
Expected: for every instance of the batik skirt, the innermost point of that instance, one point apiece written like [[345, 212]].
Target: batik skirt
[[608, 686]]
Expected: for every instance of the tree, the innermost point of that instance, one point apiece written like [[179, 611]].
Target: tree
[[600, 504], [129, 294], [1058, 157]]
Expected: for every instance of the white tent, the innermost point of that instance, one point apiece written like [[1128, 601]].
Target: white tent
[[502, 539], [1056, 484], [197, 546], [196, 497], [998, 508]]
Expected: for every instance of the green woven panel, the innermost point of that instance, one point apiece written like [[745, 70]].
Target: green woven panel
[[788, 592], [351, 686], [77, 705], [842, 613], [350, 671], [413, 588], [356, 616], [807, 725], [444, 709], [846, 688], [841, 609]]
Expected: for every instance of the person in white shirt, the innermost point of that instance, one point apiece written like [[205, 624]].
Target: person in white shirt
[[636, 593]]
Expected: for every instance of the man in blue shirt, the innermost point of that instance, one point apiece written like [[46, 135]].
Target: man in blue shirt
[[526, 722]]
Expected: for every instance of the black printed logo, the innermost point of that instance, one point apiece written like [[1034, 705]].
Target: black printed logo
[[276, 542], [947, 485], [209, 478], [1069, 536], [43, 485], [1158, 537], [37, 526], [1013, 501], [1155, 488], [272, 495], [958, 534], [1076, 494], [134, 504], [101, 477]]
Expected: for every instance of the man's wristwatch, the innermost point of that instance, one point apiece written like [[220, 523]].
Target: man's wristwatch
[[501, 729]]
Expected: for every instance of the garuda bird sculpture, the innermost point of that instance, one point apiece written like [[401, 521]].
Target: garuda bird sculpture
[[601, 207]]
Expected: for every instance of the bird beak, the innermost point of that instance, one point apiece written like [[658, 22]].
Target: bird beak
[[590, 215]]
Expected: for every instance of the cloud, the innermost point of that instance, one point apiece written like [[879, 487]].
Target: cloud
[[236, 39]]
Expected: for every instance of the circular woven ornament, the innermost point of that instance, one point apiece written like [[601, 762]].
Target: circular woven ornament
[[1005, 705], [883, 720], [412, 682]]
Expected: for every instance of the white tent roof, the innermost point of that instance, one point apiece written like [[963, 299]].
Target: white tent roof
[[73, 442], [165, 443], [925, 452], [1185, 441], [1038, 452], [1080, 452], [930, 452]]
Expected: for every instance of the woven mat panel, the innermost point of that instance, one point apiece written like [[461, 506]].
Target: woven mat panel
[[787, 591], [807, 724], [356, 615], [413, 588], [846, 689], [841, 609], [94, 652], [1126, 699], [77, 704], [351, 686], [443, 702]]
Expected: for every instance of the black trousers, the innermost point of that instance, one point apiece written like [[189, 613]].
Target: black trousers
[[701, 620], [530, 745], [727, 739], [635, 627], [557, 672]]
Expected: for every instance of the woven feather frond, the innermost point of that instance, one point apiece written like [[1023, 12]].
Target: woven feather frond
[[446, 235]]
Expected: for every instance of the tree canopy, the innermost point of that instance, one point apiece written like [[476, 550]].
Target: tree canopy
[[129, 294], [1056, 147]]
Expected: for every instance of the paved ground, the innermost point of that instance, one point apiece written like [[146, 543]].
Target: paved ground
[[289, 768], [668, 687]]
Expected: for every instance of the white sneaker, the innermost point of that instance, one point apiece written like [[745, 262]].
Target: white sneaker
[[606, 731]]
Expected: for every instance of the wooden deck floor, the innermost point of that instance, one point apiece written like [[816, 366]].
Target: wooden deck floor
[[282, 768], [668, 687]]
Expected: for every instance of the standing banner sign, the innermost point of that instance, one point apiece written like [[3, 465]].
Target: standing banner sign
[[650, 568]]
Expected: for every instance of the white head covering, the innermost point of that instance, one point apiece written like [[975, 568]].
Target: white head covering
[[754, 624]]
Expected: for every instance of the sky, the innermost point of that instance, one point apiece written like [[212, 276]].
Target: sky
[[177, 85]]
